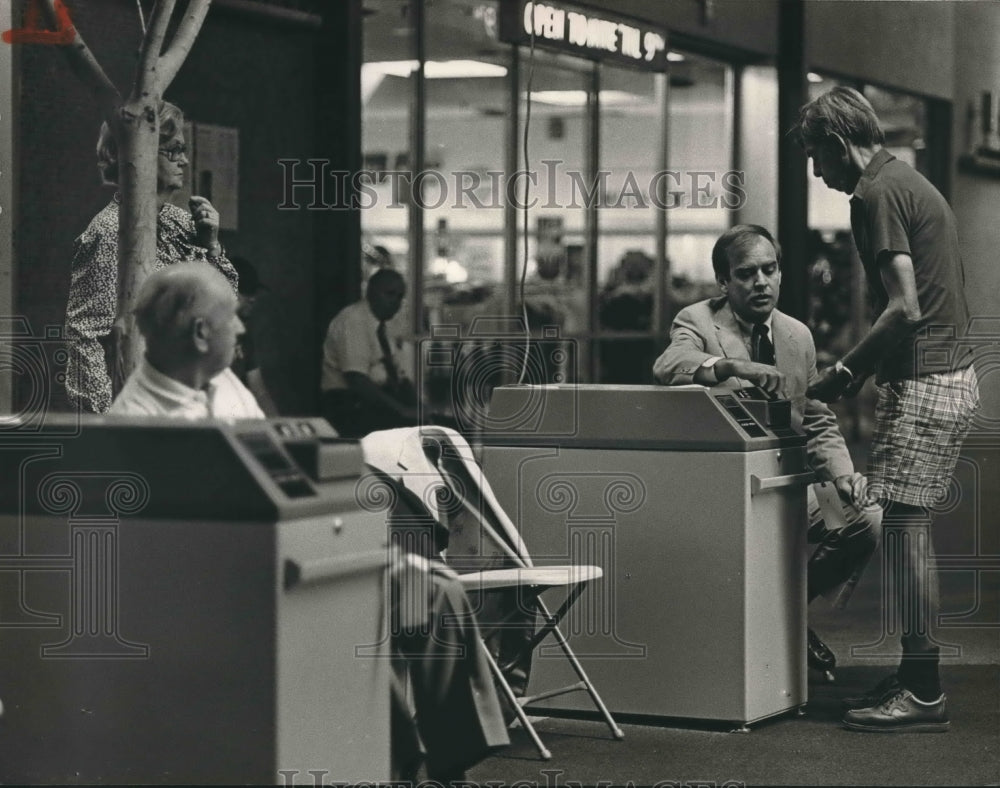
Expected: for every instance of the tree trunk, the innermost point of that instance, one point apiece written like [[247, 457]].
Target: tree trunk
[[137, 135]]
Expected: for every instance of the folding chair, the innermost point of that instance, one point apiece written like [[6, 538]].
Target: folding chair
[[488, 554]]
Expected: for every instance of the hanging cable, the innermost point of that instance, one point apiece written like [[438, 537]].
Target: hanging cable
[[524, 200]]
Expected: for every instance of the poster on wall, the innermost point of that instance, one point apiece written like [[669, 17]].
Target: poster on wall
[[215, 170], [213, 154]]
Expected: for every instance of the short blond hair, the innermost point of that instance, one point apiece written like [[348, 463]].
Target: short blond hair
[[171, 124]]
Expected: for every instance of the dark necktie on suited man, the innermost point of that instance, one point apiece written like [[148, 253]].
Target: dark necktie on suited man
[[391, 371], [761, 347]]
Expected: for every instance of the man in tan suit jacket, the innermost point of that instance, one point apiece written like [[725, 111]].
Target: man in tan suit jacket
[[718, 339]]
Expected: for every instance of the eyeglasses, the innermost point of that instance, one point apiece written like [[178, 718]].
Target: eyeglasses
[[174, 154]]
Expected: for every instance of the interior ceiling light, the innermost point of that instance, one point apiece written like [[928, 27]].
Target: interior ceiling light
[[675, 57], [457, 69], [393, 68], [371, 79], [812, 76], [578, 98], [439, 69]]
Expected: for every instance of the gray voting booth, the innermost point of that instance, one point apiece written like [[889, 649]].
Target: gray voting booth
[[189, 603], [693, 501]]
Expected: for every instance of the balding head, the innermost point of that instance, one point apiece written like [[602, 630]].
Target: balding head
[[187, 315]]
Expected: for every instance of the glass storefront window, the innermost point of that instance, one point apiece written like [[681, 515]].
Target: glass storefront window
[[758, 139], [628, 274], [700, 148], [467, 74], [605, 268], [388, 83], [558, 136], [467, 107], [388, 89], [556, 272]]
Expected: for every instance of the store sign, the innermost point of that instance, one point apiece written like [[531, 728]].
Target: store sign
[[584, 32]]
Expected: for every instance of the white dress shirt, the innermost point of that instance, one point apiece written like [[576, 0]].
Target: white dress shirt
[[747, 330], [352, 345]]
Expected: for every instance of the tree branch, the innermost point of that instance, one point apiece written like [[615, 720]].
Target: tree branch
[[187, 32], [83, 63], [147, 81]]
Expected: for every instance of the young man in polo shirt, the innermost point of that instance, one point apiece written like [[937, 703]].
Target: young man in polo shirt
[[927, 388]]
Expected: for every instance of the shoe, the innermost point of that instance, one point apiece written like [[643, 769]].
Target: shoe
[[882, 691], [818, 654], [901, 713]]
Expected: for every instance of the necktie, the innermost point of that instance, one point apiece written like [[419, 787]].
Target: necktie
[[760, 345], [391, 372], [473, 542]]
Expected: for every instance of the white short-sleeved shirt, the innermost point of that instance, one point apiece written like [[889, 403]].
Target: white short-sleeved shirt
[[352, 345], [148, 392]]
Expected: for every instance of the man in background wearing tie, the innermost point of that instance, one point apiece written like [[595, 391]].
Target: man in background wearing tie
[[364, 388], [742, 335], [187, 316]]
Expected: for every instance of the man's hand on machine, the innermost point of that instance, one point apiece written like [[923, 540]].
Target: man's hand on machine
[[763, 376], [853, 488]]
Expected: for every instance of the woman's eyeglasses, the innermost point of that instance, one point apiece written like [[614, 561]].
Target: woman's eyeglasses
[[174, 154]]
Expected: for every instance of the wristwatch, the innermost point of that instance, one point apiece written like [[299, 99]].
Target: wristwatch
[[840, 369]]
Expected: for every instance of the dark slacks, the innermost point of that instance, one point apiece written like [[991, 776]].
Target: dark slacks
[[458, 715]]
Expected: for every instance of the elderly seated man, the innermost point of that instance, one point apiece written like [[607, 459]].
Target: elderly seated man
[[187, 315], [743, 335]]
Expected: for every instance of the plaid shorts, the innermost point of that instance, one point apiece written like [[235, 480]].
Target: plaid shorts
[[919, 428]]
